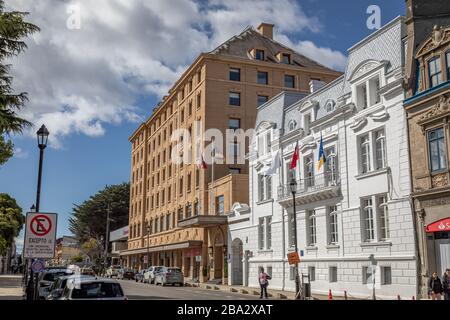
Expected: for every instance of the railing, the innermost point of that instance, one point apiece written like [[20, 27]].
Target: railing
[[310, 184]]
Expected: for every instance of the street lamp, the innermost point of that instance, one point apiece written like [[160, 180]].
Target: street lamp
[[293, 188], [42, 137], [148, 243]]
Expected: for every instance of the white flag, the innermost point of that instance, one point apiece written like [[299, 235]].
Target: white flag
[[276, 163]]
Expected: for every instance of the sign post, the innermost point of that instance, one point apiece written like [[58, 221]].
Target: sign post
[[40, 235]]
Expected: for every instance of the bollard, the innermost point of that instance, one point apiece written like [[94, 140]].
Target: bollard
[[330, 295], [345, 295]]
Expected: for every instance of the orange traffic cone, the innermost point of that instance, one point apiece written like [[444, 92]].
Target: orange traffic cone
[[330, 295], [345, 295], [398, 297]]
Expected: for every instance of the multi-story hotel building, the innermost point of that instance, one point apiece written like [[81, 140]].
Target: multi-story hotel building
[[355, 230], [427, 104], [177, 213]]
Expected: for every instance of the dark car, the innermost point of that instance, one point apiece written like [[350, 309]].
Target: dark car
[[139, 276], [126, 273]]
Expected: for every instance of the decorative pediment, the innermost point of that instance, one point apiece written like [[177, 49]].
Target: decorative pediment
[[308, 105], [441, 109], [364, 68], [380, 116], [264, 125], [358, 124], [439, 37]]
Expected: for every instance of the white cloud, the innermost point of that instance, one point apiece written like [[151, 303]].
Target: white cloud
[[20, 153], [80, 80]]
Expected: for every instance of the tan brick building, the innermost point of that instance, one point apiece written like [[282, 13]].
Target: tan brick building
[[184, 213]]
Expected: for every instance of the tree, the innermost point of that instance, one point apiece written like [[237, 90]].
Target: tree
[[93, 248], [6, 150], [13, 29], [11, 221], [88, 220]]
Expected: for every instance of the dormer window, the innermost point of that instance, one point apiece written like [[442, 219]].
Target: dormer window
[[434, 69], [259, 54], [286, 58], [292, 125], [329, 106]]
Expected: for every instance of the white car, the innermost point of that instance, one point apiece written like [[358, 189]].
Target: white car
[[149, 274], [93, 289], [48, 277]]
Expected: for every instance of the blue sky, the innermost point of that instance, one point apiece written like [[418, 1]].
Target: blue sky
[[92, 100]]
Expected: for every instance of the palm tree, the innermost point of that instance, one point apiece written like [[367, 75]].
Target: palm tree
[[13, 29]]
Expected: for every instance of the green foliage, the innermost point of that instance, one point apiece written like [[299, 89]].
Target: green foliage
[[13, 29], [88, 220], [11, 221], [93, 248], [6, 150], [76, 259]]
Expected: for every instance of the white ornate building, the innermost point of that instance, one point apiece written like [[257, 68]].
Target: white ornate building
[[354, 214]]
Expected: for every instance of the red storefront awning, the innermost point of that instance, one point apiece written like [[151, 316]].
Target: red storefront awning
[[439, 226]]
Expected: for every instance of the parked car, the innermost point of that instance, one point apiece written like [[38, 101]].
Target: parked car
[[57, 288], [126, 273], [149, 274], [113, 271], [93, 289], [139, 276], [169, 276], [47, 277], [87, 271]]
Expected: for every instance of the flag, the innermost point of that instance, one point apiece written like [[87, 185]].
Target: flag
[[295, 157], [322, 159], [276, 163], [201, 163]]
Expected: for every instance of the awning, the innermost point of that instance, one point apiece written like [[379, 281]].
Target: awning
[[439, 226], [203, 221], [173, 246]]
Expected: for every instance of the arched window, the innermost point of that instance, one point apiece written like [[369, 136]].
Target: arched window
[[292, 125], [368, 220], [312, 228], [380, 141], [329, 106], [333, 224], [384, 218]]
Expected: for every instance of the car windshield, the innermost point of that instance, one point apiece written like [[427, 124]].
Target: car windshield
[[173, 270], [158, 268], [52, 276], [97, 290]]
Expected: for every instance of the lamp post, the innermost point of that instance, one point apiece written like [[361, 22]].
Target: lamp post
[[293, 187], [148, 243]]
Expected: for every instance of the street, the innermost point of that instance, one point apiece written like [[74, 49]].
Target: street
[[136, 290], [10, 287]]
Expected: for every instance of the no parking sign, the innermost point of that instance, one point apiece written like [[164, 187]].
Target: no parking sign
[[40, 235]]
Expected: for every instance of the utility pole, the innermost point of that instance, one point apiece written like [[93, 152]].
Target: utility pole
[[105, 262]]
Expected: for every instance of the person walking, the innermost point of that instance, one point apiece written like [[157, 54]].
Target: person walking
[[263, 282], [435, 287], [446, 284]]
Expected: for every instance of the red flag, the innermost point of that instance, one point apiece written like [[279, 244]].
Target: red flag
[[295, 157], [202, 164]]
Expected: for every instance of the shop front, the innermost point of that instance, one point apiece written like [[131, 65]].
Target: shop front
[[438, 243]]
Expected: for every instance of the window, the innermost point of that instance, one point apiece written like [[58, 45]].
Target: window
[[377, 91], [190, 108], [369, 230], [292, 125], [261, 233], [235, 170], [312, 273], [333, 224], [259, 55], [380, 151], [383, 217], [434, 69], [263, 77], [173, 219], [365, 153], [190, 86], [181, 186], [361, 92], [332, 274], [260, 187], [269, 232], [268, 142], [220, 200], [235, 74], [289, 81], [197, 177], [386, 275], [262, 99], [167, 221], [234, 99], [309, 172], [189, 182], [311, 223], [188, 210], [437, 150], [234, 123], [180, 213], [161, 222], [268, 187], [264, 187], [286, 58], [199, 100]]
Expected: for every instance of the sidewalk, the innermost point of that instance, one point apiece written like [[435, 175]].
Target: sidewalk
[[11, 287], [277, 294]]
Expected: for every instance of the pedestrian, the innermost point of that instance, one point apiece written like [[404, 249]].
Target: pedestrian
[[435, 287], [446, 284], [263, 282]]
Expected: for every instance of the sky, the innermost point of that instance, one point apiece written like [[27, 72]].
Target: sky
[[97, 68]]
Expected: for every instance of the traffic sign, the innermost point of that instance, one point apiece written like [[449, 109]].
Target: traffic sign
[[40, 235], [37, 265], [293, 258], [198, 258]]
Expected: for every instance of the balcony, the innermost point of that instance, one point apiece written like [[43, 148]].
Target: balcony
[[320, 187], [203, 221]]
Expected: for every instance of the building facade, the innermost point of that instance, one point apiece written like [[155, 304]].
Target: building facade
[[174, 208], [66, 248], [119, 241], [427, 104], [355, 227]]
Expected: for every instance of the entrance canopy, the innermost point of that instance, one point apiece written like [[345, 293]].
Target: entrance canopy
[[439, 226]]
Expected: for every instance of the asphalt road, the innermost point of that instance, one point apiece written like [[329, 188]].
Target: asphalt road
[[144, 291]]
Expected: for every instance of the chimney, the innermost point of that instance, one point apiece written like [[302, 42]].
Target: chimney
[[266, 29], [315, 85]]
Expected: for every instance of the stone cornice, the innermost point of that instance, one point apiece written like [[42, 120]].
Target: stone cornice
[[440, 110]]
